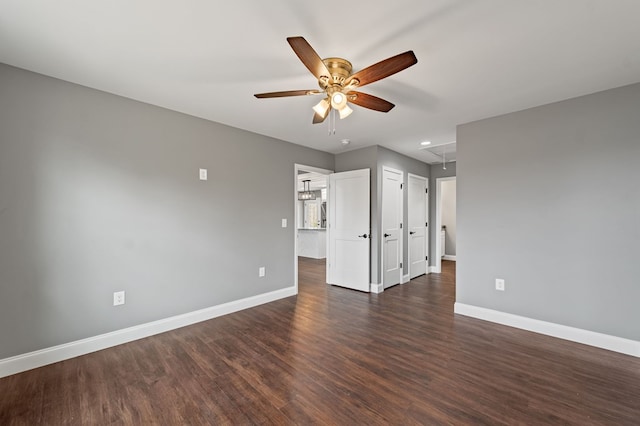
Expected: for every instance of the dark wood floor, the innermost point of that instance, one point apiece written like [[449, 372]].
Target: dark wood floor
[[335, 356]]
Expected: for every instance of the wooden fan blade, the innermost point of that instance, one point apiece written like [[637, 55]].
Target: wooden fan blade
[[309, 57], [317, 118], [288, 93], [383, 69], [369, 101]]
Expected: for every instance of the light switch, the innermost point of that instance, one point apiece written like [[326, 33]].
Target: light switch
[[284, 223], [203, 174]]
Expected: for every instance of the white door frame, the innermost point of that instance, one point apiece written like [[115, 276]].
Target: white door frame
[[296, 168], [426, 220], [438, 227], [400, 237]]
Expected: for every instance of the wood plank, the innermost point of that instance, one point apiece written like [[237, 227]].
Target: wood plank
[[335, 356]]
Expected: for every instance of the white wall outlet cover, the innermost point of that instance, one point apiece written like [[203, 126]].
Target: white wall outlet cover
[[499, 284], [118, 298], [203, 174], [261, 271], [284, 223]]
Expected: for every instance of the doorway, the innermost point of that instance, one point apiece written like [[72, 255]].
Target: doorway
[[309, 227], [445, 221]]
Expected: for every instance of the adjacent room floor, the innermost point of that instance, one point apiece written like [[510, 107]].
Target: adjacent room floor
[[336, 356]]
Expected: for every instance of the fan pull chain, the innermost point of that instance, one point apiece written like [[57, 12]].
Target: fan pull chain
[[333, 111], [332, 122]]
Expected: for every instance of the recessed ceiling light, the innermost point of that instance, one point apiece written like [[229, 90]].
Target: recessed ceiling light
[[425, 143], [345, 141]]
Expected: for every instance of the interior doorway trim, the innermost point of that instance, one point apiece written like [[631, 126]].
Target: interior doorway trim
[[294, 222], [438, 227]]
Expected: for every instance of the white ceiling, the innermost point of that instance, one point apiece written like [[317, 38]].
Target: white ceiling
[[317, 181], [476, 58]]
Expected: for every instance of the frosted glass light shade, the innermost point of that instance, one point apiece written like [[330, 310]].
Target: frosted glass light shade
[[322, 107], [338, 100], [345, 111]]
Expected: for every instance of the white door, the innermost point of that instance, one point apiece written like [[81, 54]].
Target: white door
[[348, 228], [418, 205], [391, 227]]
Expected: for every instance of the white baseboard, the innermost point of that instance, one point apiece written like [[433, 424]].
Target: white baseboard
[[28, 361], [449, 257], [434, 270], [377, 288], [591, 338], [405, 279]]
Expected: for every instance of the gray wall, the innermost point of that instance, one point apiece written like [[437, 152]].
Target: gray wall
[[99, 193], [374, 158], [549, 200], [436, 171]]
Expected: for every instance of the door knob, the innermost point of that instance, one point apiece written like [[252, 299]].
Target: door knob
[[387, 235], [412, 232], [363, 236]]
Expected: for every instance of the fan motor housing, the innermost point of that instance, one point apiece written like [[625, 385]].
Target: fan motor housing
[[340, 70]]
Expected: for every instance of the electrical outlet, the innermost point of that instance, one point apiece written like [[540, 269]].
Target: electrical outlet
[[118, 298], [203, 174], [499, 284], [284, 223], [261, 271]]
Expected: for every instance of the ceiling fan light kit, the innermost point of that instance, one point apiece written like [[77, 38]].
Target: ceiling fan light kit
[[345, 111], [338, 100], [337, 82], [322, 107]]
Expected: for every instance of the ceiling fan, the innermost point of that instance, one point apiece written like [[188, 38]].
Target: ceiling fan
[[337, 82]]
